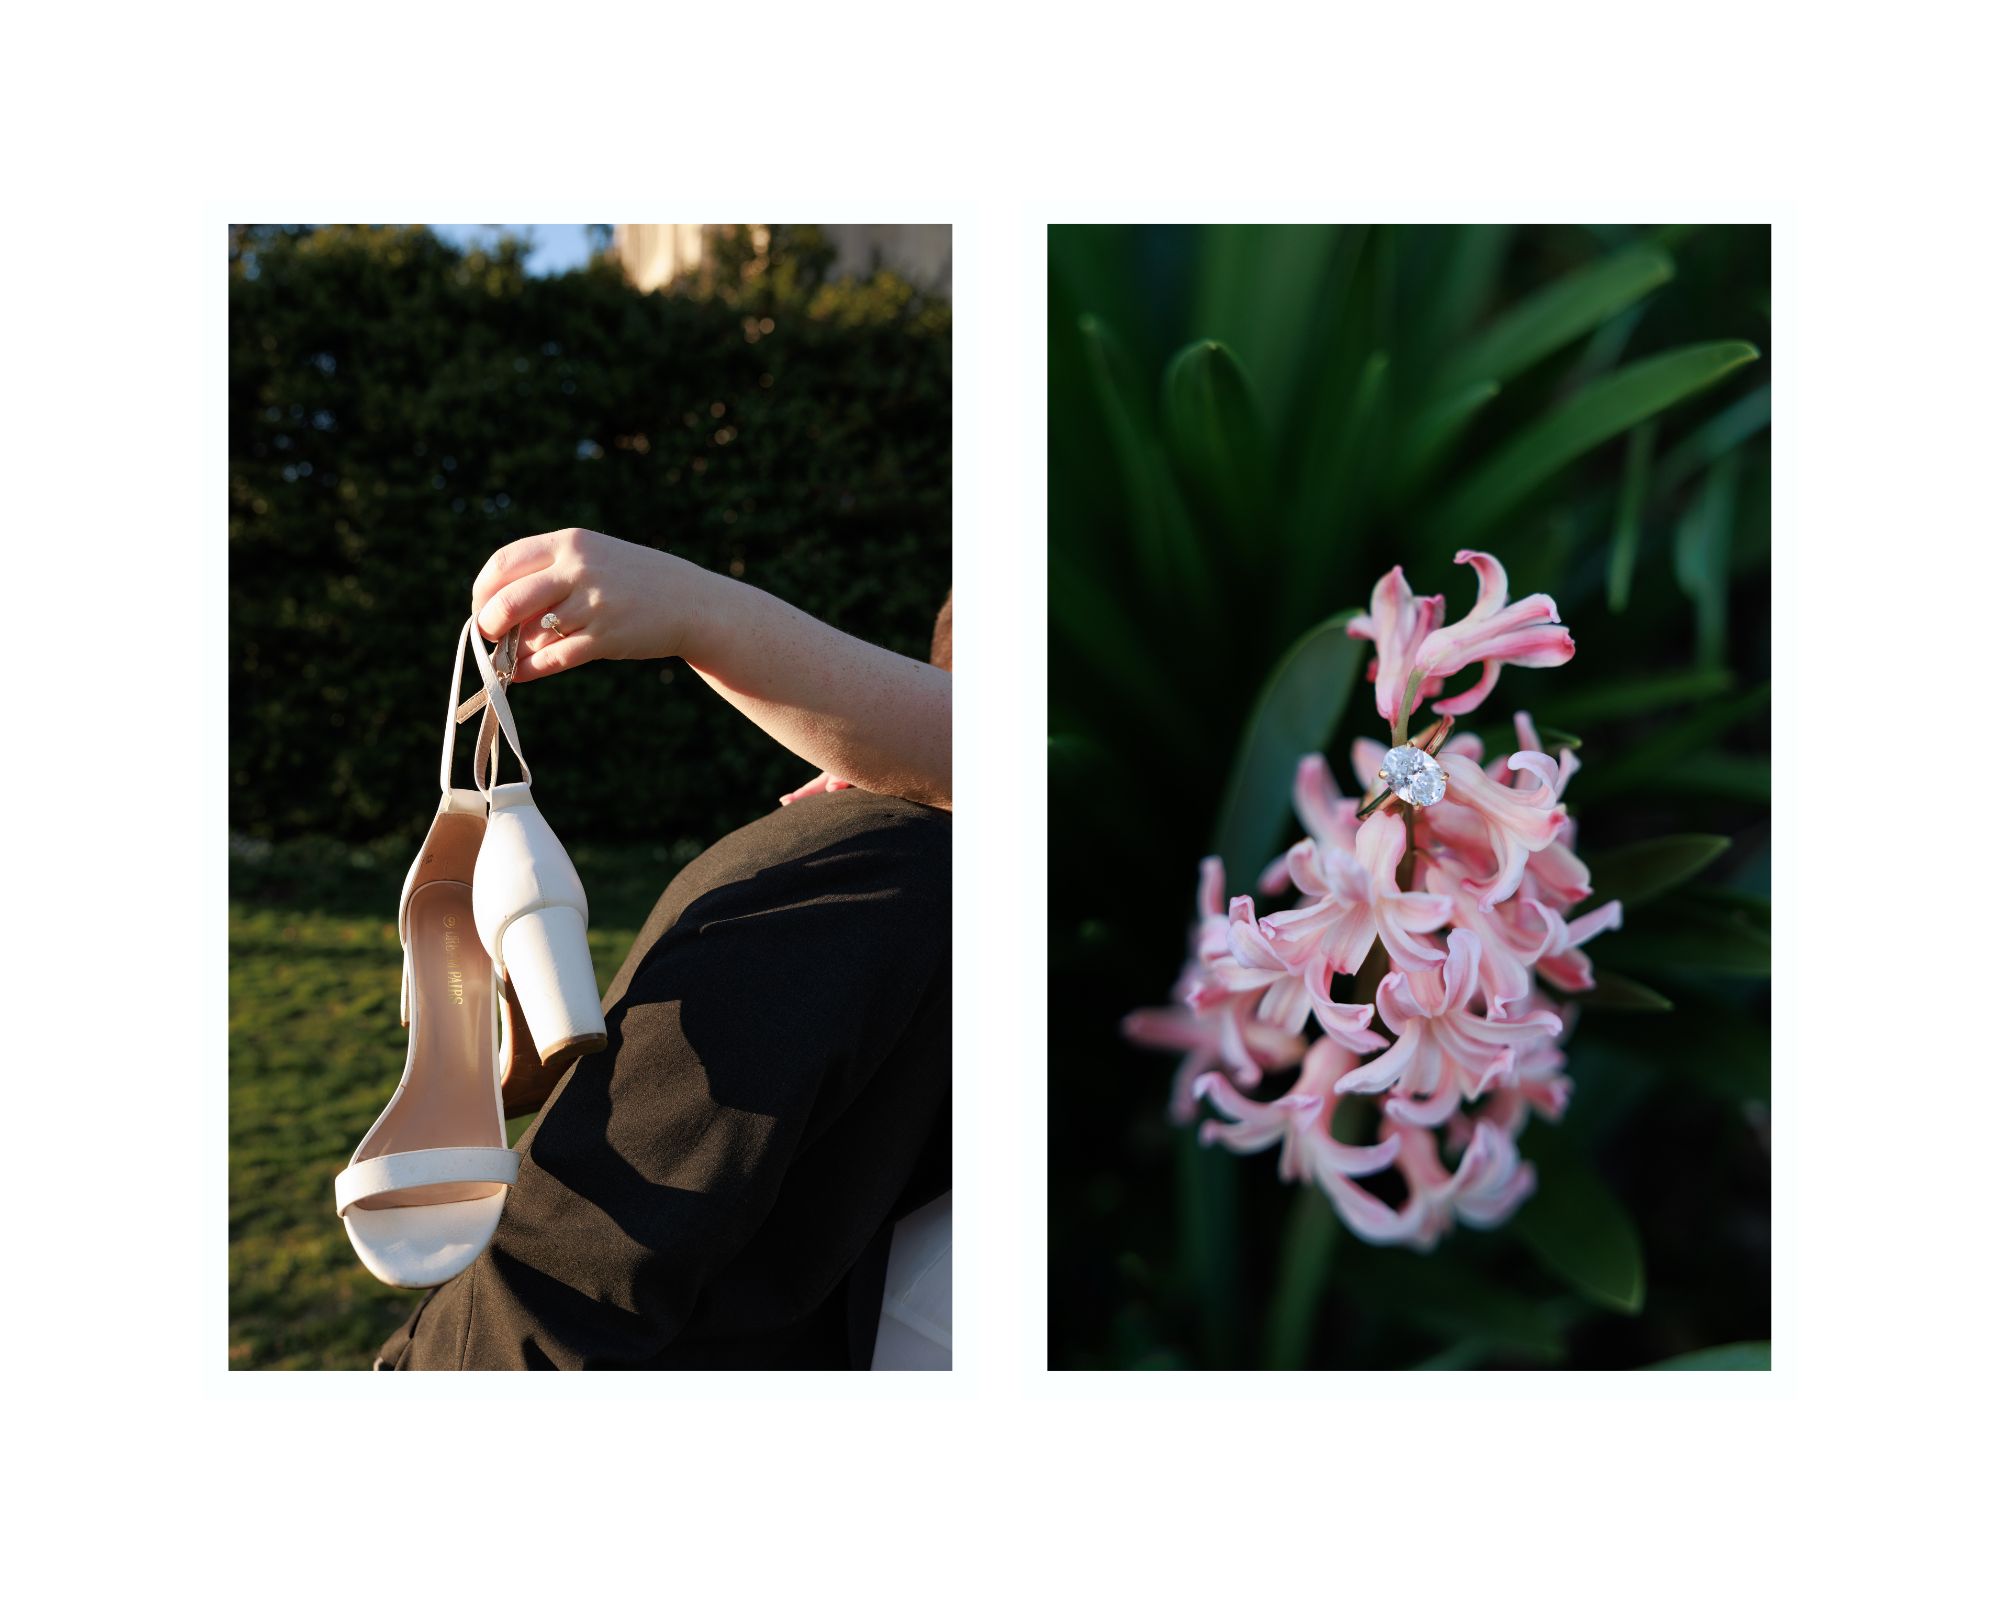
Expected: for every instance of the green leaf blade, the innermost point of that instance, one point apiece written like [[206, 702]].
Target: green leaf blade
[[1167, 558], [1701, 559], [1753, 1356], [1637, 873], [1296, 713], [1581, 1231], [1614, 992], [1435, 429], [1599, 412], [1312, 1234], [1563, 312], [1216, 437], [1630, 520]]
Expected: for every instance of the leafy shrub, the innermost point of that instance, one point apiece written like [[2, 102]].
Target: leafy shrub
[[399, 409]]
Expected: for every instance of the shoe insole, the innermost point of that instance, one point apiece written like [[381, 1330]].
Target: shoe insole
[[447, 1097]]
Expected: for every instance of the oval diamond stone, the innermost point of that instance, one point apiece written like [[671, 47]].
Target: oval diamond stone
[[1413, 776]]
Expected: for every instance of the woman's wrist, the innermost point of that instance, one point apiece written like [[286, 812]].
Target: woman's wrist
[[700, 601]]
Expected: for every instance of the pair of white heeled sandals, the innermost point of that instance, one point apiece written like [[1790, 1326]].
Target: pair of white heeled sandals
[[492, 923]]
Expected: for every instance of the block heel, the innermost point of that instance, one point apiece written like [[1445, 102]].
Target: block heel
[[544, 958]]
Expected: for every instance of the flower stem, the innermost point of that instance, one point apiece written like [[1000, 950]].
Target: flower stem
[[1304, 1258], [1406, 705]]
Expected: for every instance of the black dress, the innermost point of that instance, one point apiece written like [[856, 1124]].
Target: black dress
[[717, 1186]]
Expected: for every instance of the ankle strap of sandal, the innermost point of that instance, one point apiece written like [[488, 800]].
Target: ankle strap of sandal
[[496, 672]]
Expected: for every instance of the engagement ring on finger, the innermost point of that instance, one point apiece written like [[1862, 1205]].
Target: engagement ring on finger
[[553, 624]]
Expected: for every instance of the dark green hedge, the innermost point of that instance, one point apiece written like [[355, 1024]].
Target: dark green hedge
[[398, 410]]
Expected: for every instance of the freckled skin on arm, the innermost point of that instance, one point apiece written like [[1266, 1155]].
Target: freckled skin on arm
[[880, 720], [868, 717]]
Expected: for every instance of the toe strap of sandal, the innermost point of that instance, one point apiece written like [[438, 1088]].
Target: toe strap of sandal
[[416, 1169]]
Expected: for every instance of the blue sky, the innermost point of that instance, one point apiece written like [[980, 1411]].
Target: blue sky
[[554, 246]]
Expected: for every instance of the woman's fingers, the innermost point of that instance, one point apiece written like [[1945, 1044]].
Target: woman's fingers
[[512, 561], [825, 783], [525, 600], [557, 657]]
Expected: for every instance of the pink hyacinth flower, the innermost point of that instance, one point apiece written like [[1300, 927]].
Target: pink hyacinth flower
[[1444, 1051], [1489, 1186], [1246, 976], [1513, 936], [1556, 874], [1300, 1123], [1408, 639], [1205, 1041], [1563, 963], [1352, 900], [1492, 633], [1518, 821], [1326, 815], [1230, 1036], [1398, 621]]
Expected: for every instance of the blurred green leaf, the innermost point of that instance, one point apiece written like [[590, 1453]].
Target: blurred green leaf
[[1616, 993], [1256, 288], [1637, 873], [1722, 433], [1625, 698], [1473, 257], [1727, 897], [1626, 528], [1295, 714], [1580, 1230], [1550, 318], [1216, 437], [1693, 939], [1675, 234], [1461, 1355], [1670, 748], [1305, 1258], [1435, 429], [1442, 1296], [1102, 634], [1094, 262], [1701, 559], [1754, 1357], [1602, 411], [1167, 556], [1721, 775], [1328, 505], [1606, 348], [1079, 764], [1208, 1231], [1709, 1046]]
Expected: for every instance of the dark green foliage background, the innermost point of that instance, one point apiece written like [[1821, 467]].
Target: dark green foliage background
[[1244, 434], [398, 410]]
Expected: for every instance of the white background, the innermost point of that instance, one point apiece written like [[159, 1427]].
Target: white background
[[1863, 1463]]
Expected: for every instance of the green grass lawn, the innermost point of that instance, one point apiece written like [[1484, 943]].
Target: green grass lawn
[[315, 1050]]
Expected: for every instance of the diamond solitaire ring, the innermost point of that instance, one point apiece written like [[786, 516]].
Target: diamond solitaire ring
[[553, 624], [1412, 773]]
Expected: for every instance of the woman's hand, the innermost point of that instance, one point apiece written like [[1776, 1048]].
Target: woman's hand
[[613, 601]]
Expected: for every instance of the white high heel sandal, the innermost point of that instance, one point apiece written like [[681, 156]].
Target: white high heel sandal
[[425, 1187], [529, 905]]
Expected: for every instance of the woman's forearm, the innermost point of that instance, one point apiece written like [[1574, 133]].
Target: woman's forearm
[[880, 720]]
